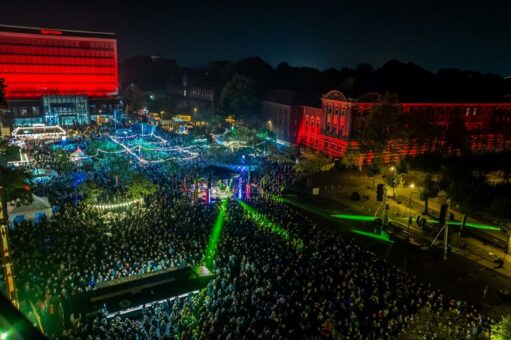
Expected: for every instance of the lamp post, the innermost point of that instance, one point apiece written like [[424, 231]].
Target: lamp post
[[412, 186]]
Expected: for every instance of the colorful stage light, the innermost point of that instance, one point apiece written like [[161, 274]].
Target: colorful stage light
[[214, 239], [354, 217], [382, 237], [263, 222]]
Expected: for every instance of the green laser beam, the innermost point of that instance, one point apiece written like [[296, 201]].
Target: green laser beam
[[475, 225], [469, 225], [211, 249], [354, 217], [263, 222], [382, 237]]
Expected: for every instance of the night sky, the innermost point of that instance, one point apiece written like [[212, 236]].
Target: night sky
[[466, 34]]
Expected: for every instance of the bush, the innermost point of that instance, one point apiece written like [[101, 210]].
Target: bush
[[355, 196]]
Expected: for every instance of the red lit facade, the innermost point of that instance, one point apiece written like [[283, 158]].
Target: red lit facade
[[334, 126], [39, 62]]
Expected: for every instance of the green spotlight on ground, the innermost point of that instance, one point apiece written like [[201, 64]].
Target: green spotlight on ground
[[353, 217], [264, 222], [382, 237], [214, 239]]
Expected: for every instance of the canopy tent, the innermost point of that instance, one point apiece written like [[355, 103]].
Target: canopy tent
[[34, 212], [78, 155]]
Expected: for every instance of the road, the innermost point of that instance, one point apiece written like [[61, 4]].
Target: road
[[465, 274]]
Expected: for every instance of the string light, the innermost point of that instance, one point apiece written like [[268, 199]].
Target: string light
[[116, 205]]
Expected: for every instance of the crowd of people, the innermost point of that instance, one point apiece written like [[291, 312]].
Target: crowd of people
[[262, 287]]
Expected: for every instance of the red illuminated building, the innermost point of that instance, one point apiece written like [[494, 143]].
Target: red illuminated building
[[333, 125], [58, 76]]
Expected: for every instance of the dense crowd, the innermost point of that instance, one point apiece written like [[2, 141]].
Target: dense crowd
[[262, 287]]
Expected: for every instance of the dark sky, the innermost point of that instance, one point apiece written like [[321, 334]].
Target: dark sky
[[467, 34]]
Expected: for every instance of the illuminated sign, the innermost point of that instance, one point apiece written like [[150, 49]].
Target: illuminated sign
[[185, 118], [50, 32]]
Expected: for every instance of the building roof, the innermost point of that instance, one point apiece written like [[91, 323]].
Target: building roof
[[56, 31], [38, 204]]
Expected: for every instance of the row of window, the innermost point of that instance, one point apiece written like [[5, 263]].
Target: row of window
[[327, 145], [48, 69], [53, 60], [55, 51], [36, 110], [330, 109], [26, 111], [312, 121], [57, 42]]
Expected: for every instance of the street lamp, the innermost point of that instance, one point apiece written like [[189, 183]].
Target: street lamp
[[412, 186]]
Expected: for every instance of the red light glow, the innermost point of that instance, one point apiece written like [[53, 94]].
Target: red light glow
[[50, 32], [34, 66]]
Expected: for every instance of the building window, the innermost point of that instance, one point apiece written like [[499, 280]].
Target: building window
[[23, 111]]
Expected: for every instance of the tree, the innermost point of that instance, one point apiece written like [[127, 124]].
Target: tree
[[456, 135], [429, 189], [373, 170], [393, 179], [120, 169], [62, 162], [306, 167], [502, 329], [13, 180], [140, 187], [435, 325], [419, 131], [350, 158], [239, 97], [134, 98], [382, 125], [91, 191]]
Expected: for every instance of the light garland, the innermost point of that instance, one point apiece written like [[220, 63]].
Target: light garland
[[117, 205], [191, 155]]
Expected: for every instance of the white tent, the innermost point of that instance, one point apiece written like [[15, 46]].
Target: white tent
[[33, 212], [78, 155]]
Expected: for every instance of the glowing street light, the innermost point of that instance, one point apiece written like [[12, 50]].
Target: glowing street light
[[412, 186]]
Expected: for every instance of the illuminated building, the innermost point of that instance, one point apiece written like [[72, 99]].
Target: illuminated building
[[58, 77], [334, 125]]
